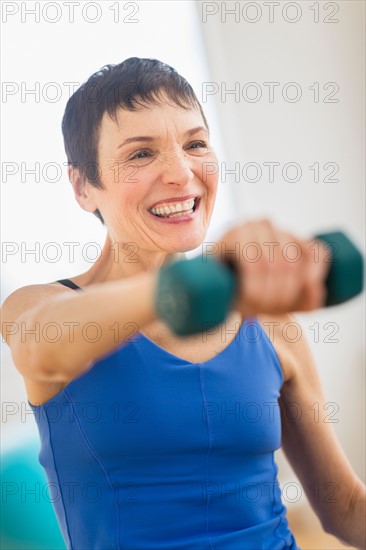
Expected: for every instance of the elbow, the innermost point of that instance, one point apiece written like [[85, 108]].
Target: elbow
[[43, 367], [36, 352], [33, 362], [339, 532], [37, 369], [44, 351], [27, 361], [328, 526], [336, 529], [348, 525]]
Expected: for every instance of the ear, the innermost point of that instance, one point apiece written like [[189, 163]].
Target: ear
[[84, 192]]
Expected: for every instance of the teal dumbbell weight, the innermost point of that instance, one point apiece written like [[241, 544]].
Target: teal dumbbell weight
[[345, 276], [195, 294]]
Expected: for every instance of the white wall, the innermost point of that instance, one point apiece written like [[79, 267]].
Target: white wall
[[305, 132], [43, 56]]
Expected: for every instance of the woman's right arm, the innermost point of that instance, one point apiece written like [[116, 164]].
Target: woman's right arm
[[269, 285], [55, 334]]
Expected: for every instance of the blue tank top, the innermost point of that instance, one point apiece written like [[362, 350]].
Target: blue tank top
[[146, 450]]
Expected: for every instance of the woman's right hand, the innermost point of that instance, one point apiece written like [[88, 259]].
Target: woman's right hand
[[277, 272]]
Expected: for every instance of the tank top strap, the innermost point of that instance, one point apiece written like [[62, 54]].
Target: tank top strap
[[69, 284]]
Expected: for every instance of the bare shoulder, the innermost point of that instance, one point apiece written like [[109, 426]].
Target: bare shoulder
[[14, 311], [290, 343], [26, 298]]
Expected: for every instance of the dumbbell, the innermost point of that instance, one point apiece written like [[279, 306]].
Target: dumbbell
[[198, 293]]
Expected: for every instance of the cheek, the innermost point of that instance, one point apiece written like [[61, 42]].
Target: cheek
[[208, 172], [131, 191], [212, 182], [130, 201]]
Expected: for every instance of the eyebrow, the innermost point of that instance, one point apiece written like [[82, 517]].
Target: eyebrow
[[189, 133]]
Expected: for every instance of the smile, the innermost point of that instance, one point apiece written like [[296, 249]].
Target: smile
[[177, 209]]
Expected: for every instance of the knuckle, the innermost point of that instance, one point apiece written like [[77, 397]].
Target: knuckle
[[267, 223]]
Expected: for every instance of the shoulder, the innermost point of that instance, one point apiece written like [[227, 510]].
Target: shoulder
[[24, 299], [290, 343], [16, 311]]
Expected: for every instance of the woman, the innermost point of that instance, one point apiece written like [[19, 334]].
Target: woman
[[150, 440]]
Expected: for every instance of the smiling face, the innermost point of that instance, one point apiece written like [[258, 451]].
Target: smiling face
[[160, 177]]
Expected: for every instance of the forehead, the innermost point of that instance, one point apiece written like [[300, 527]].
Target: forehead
[[154, 119]]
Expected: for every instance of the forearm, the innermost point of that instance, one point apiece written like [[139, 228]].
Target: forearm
[[89, 324]]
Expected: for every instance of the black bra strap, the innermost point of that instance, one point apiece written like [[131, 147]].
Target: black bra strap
[[69, 283]]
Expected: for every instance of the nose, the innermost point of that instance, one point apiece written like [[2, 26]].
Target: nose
[[176, 169]]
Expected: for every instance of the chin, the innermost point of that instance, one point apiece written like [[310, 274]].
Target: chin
[[185, 245]]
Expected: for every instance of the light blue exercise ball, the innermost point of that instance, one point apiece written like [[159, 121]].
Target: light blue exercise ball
[[27, 517]]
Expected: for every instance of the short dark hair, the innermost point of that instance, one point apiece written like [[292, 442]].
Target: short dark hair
[[131, 84]]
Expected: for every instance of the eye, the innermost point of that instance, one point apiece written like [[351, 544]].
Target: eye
[[198, 145], [143, 154]]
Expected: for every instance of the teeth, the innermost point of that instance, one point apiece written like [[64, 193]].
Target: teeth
[[174, 208], [180, 214]]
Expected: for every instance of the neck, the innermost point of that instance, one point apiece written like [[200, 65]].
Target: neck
[[120, 260]]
